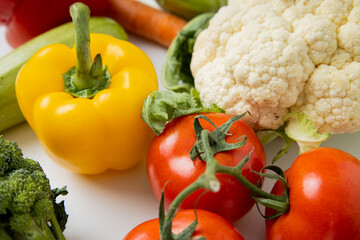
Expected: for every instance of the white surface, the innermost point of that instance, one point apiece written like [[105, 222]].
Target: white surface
[[107, 206]]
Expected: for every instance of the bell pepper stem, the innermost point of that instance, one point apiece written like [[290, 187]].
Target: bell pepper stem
[[87, 78], [80, 14]]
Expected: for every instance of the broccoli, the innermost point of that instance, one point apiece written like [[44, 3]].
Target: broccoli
[[28, 208]]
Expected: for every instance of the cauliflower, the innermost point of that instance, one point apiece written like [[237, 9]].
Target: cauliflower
[[277, 57]]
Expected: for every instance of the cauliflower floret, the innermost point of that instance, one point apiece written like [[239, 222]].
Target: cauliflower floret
[[354, 15], [320, 35], [340, 58], [300, 8], [335, 10], [332, 98], [273, 57], [349, 38], [265, 67], [218, 37]]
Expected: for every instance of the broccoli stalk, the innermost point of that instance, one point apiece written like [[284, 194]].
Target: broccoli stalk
[[38, 230], [28, 208], [4, 235]]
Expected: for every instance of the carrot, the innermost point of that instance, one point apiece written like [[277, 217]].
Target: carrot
[[146, 21]]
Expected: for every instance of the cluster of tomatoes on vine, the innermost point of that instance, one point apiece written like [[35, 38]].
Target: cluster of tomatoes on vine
[[207, 171]]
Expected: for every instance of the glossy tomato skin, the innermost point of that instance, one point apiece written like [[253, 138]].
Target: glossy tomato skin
[[324, 198], [210, 225], [29, 18], [168, 160]]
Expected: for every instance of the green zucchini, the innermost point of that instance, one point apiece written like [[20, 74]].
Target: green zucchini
[[10, 64], [189, 9]]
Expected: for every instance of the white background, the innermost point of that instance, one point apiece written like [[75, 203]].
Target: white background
[[107, 206]]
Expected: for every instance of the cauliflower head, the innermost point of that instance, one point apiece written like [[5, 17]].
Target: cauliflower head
[[275, 57]]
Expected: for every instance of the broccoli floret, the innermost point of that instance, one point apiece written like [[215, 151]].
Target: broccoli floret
[[28, 208]]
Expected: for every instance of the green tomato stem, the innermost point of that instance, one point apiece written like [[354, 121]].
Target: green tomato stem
[[207, 180], [236, 172], [166, 231], [205, 151]]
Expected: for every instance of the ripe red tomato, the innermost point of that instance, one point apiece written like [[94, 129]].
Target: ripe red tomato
[[168, 160], [324, 198], [26, 19], [210, 225]]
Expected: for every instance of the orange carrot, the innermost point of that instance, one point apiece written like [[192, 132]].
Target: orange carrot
[[146, 21]]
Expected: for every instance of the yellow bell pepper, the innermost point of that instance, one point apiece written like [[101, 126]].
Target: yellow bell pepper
[[92, 122]]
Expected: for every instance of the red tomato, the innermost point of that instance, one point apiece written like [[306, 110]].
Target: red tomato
[[210, 225], [30, 18], [324, 199], [6, 10], [168, 159]]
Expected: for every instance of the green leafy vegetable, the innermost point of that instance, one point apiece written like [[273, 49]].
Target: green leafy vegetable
[[162, 106], [176, 72]]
